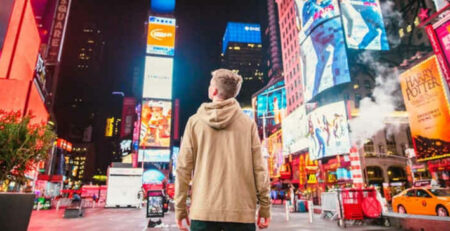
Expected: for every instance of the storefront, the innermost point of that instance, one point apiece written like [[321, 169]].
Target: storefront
[[439, 170]]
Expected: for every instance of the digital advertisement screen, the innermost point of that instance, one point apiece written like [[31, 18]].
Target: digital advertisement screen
[[311, 13], [428, 110], [271, 104], [161, 36], [162, 6], [363, 24], [175, 152], [158, 77], [241, 33], [324, 58], [295, 131], [275, 151], [443, 35], [328, 131], [156, 118], [154, 155]]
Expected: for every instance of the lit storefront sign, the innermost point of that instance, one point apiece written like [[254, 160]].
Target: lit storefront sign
[[109, 127], [59, 30]]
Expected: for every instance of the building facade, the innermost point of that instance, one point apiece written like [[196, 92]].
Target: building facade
[[242, 53]]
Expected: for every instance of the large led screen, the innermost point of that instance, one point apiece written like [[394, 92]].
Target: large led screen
[[324, 58], [161, 36], [271, 104], [295, 131], [5, 14], [158, 77], [241, 33], [428, 110], [311, 13], [275, 150], [155, 123], [363, 24], [154, 155], [328, 131]]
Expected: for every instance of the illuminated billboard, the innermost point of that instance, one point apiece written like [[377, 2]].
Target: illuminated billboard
[[271, 104], [162, 6], [241, 33], [328, 133], [427, 106], [324, 58], [161, 36], [155, 123], [295, 131], [5, 14], [363, 25], [311, 13], [275, 150], [158, 77], [154, 155]]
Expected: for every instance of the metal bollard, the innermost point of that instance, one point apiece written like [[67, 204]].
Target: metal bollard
[[57, 205], [310, 211], [39, 206], [287, 210]]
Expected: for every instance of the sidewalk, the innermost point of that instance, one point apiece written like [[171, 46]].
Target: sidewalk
[[97, 219]]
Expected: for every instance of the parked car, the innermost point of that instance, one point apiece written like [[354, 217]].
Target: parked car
[[423, 201]]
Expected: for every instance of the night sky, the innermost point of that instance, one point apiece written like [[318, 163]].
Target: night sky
[[200, 28], [201, 25]]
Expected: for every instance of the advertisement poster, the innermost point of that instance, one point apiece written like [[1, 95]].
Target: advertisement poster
[[158, 77], [295, 131], [126, 128], [154, 155], [155, 123], [5, 13], [328, 131], [324, 58], [271, 104], [161, 36], [443, 36], [363, 24], [275, 150], [428, 110], [311, 13]]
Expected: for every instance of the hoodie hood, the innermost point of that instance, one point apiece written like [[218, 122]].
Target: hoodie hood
[[219, 115]]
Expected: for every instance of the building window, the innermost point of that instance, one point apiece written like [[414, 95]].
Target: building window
[[391, 144], [369, 148]]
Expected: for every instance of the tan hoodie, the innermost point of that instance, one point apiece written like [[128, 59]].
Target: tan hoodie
[[221, 153]]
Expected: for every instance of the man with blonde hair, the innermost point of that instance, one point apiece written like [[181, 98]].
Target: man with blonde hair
[[221, 154]]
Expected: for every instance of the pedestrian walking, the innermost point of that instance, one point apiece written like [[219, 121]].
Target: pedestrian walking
[[221, 154]]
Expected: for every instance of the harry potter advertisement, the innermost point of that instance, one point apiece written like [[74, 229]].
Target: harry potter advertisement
[[427, 105]]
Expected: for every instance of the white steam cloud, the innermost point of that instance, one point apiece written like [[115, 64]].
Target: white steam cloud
[[374, 111], [392, 17]]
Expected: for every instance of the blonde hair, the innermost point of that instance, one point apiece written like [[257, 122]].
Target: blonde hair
[[227, 83]]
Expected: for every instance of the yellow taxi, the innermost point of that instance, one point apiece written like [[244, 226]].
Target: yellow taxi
[[423, 201]]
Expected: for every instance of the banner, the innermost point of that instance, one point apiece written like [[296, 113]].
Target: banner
[[443, 51], [58, 31], [428, 110], [126, 128]]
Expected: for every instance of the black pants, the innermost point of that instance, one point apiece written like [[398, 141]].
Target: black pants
[[197, 225]]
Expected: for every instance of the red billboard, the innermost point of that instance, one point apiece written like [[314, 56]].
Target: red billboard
[[5, 14], [126, 128]]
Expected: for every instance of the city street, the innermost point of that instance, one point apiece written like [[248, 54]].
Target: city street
[[134, 219]]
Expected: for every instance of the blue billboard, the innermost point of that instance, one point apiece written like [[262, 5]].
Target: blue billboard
[[162, 6], [324, 58], [241, 33], [271, 104], [363, 24], [312, 13]]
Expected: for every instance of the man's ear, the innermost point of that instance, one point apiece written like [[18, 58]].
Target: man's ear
[[216, 91]]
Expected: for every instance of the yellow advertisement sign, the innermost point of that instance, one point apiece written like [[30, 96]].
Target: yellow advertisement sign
[[428, 109], [109, 127]]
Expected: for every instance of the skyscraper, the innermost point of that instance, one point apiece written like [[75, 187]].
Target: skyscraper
[[290, 54], [242, 53]]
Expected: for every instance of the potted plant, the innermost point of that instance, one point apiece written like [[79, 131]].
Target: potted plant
[[23, 143]]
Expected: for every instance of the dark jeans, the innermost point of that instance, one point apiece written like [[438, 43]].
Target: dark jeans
[[197, 225]]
